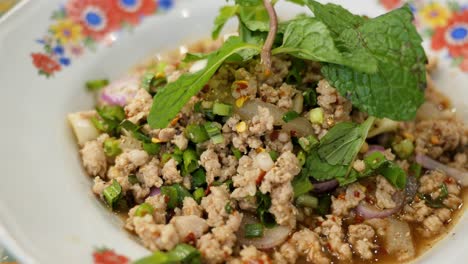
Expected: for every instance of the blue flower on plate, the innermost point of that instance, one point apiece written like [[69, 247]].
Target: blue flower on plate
[[58, 50], [165, 4], [64, 61]]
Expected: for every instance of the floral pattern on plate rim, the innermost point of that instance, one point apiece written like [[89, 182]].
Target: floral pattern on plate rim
[[80, 25], [445, 25]]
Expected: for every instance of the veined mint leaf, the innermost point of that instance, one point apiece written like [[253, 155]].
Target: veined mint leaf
[[396, 90], [169, 100], [309, 38], [225, 13]]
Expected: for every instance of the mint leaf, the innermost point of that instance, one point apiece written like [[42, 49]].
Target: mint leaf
[[395, 90], [309, 38], [255, 17], [191, 57], [342, 143], [337, 151], [225, 13], [169, 100], [334, 16]]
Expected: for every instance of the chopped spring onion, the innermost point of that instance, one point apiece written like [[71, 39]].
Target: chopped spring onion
[[110, 118], [290, 116], [112, 147], [307, 200], [273, 155], [214, 132], [196, 133], [112, 193], [172, 196], [95, 85], [404, 148], [316, 116], [165, 158], [198, 194], [151, 81], [135, 130], [181, 193], [301, 157], [310, 97], [190, 159], [437, 202], [237, 153], [151, 148], [228, 208], [144, 209], [415, 170], [307, 143], [222, 109], [197, 107], [182, 253], [374, 160], [324, 205], [199, 178], [253, 230], [132, 179]]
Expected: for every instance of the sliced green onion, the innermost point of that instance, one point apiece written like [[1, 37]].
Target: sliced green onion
[[324, 205], [301, 157], [308, 143], [144, 209], [135, 130], [181, 193], [165, 158], [95, 85], [197, 107], [289, 116], [182, 253], [212, 129], [178, 158], [237, 153], [218, 139], [132, 179], [307, 200], [415, 170], [196, 133], [228, 208], [151, 148], [199, 178], [310, 97], [273, 155], [190, 159], [112, 147], [316, 116], [111, 112], [404, 148], [374, 160], [146, 80], [172, 196], [198, 194], [253, 230], [112, 193], [222, 109]]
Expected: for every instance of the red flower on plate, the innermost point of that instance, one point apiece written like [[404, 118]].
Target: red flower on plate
[[454, 35], [390, 4], [107, 256], [97, 17], [131, 11], [45, 63]]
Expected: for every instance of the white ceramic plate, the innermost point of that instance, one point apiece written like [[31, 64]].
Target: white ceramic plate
[[47, 211]]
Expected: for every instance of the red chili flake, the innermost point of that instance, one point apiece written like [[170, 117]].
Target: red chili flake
[[241, 85], [448, 180], [108, 256], [166, 198], [358, 219], [293, 133], [207, 191], [369, 200], [274, 135], [206, 88], [329, 247], [381, 251], [264, 98], [190, 239], [357, 194], [341, 196], [260, 177]]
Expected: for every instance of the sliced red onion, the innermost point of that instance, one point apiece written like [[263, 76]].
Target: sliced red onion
[[368, 211], [374, 148], [431, 164], [271, 238], [154, 191], [324, 186], [120, 92]]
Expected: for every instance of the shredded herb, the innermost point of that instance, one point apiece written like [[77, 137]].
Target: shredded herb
[[437, 202], [95, 85]]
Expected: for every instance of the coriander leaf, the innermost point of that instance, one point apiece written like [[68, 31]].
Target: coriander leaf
[[395, 90], [171, 98], [225, 13], [342, 143], [309, 38]]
